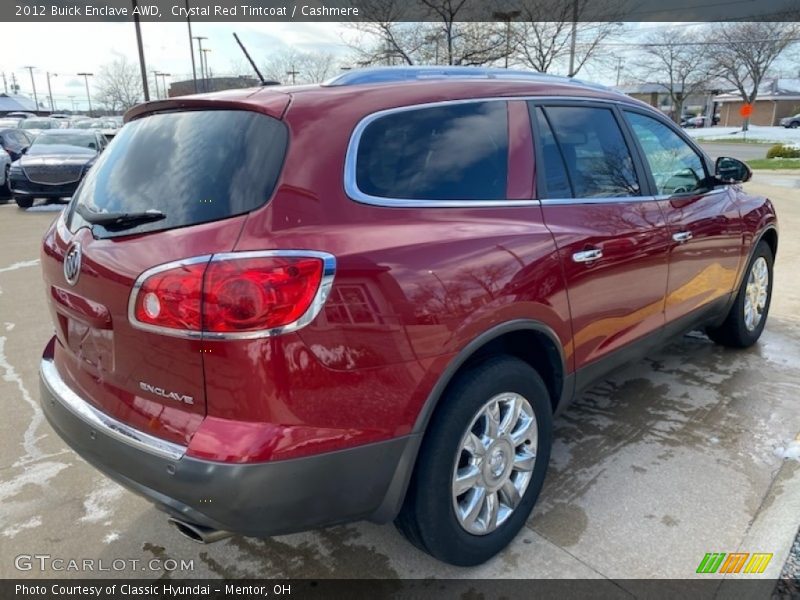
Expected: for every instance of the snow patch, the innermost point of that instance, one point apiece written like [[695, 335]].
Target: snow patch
[[9, 326], [29, 438], [769, 135], [97, 505], [113, 536], [20, 265], [791, 451], [31, 523], [39, 474]]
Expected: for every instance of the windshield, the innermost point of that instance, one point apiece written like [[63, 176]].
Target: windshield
[[71, 143], [194, 167], [36, 124]]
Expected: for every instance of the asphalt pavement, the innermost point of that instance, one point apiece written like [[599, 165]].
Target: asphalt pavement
[[741, 151], [670, 458]]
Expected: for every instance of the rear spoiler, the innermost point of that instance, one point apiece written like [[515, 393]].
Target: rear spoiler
[[270, 102]]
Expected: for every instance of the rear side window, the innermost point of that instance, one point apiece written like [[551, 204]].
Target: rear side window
[[194, 167], [556, 181], [598, 160], [451, 152]]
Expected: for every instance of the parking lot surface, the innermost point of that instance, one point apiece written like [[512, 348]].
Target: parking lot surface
[[677, 455]]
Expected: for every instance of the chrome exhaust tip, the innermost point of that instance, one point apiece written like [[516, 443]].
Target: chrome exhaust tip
[[199, 533]]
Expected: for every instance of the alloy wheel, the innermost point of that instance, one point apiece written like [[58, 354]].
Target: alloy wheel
[[755, 299]]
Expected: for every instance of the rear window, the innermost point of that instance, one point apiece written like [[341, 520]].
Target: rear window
[[453, 152], [194, 167]]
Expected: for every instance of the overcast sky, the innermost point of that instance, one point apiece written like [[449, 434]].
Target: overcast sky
[[70, 48]]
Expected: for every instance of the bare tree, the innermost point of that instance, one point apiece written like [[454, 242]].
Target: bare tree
[[294, 66], [744, 53], [448, 38], [119, 85], [550, 31], [670, 58]]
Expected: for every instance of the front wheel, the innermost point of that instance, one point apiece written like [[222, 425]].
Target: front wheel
[[748, 315], [482, 463]]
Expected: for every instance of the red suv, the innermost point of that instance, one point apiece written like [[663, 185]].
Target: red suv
[[283, 308]]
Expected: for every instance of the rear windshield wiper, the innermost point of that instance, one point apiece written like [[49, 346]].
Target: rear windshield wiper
[[115, 221]]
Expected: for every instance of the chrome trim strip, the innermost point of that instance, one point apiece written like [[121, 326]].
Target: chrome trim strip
[[352, 190], [103, 422], [326, 283]]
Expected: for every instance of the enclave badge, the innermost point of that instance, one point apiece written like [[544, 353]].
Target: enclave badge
[[72, 264]]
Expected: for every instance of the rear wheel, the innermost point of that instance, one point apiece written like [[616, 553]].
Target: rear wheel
[[794, 124], [23, 202], [748, 315], [482, 463]]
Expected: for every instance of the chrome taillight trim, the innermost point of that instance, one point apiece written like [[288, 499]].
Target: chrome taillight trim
[[323, 291]]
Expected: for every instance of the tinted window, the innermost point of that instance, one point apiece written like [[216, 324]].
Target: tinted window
[[193, 166], [676, 167], [598, 160], [555, 174], [453, 152]]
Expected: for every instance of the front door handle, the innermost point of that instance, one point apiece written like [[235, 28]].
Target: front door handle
[[682, 236], [587, 255]]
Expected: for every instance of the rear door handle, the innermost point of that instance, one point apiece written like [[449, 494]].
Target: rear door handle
[[682, 236], [587, 255]]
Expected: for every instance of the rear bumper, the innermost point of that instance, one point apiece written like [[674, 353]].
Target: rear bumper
[[263, 499]]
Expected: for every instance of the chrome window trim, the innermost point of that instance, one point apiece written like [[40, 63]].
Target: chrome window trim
[[323, 291], [354, 193], [104, 423]]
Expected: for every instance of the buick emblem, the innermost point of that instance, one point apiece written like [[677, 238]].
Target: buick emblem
[[72, 264]]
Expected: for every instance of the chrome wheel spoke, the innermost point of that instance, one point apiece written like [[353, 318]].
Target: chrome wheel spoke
[[492, 420], [513, 410], [492, 508], [524, 431], [466, 479], [510, 494], [756, 293], [524, 460], [474, 506]]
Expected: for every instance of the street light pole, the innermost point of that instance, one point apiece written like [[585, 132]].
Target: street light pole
[[191, 45], [164, 82], [506, 16], [50, 91], [33, 84], [573, 38], [86, 81], [142, 65], [207, 80], [200, 39], [155, 80]]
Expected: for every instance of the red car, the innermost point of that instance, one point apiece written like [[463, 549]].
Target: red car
[[285, 308]]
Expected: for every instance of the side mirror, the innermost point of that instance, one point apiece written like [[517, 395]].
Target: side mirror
[[731, 170], [24, 150]]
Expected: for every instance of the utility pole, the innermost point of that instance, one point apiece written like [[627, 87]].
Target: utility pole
[[155, 80], [573, 38], [72, 101], [191, 45], [619, 69], [200, 39], [50, 91], [164, 82], [5, 85], [142, 65], [208, 72], [88, 96], [33, 84], [14, 86], [294, 73], [507, 17]]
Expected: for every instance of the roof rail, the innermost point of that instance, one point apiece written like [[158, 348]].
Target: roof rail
[[371, 75]]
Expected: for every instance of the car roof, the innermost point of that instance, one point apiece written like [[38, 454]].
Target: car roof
[[387, 87]]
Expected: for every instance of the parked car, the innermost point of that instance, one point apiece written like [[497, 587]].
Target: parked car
[[5, 165], [792, 122], [35, 125], [367, 299], [14, 141], [54, 165], [21, 114], [10, 122]]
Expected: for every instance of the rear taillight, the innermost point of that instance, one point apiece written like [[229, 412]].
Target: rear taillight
[[245, 294]]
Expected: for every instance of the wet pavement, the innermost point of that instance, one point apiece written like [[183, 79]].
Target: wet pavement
[[672, 457]]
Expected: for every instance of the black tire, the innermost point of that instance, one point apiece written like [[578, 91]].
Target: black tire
[[23, 202], [734, 332], [428, 518], [794, 125]]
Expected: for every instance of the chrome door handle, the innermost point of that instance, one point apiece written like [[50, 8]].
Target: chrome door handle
[[682, 236], [587, 255]]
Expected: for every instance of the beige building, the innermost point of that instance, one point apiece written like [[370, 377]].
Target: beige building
[[777, 98]]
